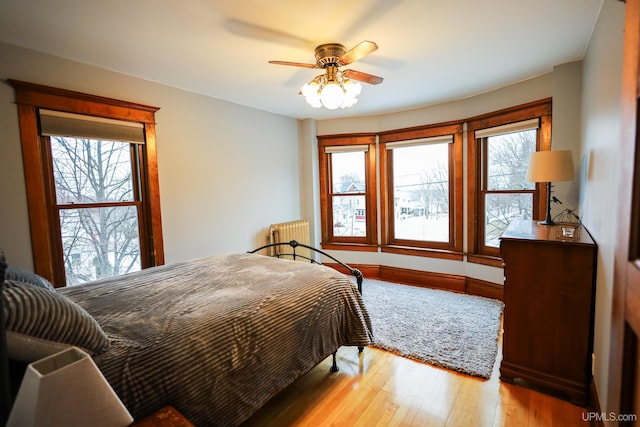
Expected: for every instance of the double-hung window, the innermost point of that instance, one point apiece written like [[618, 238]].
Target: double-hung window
[[348, 190], [500, 146], [96, 195], [92, 184], [421, 191]]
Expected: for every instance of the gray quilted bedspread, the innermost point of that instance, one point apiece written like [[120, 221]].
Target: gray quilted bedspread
[[218, 337]]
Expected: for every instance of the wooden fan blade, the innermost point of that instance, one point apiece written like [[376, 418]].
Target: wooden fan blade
[[361, 50], [363, 77], [265, 34], [294, 64], [376, 10]]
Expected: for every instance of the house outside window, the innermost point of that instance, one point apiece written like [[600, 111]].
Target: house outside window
[[348, 190], [349, 193]]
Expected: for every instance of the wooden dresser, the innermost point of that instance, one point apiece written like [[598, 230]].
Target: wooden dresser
[[549, 296]]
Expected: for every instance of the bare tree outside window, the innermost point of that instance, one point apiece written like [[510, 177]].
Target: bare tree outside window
[[97, 207], [508, 196]]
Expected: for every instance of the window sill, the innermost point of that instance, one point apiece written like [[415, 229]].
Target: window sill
[[432, 253], [485, 260], [349, 247]]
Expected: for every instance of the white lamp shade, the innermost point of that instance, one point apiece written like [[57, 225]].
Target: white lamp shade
[[550, 166], [67, 389]]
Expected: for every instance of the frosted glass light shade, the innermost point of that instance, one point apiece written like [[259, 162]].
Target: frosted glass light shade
[[67, 389], [332, 96], [550, 166], [310, 92], [352, 90]]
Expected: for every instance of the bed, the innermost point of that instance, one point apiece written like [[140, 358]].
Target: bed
[[215, 337]]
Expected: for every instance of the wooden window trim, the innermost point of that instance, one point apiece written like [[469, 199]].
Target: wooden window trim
[[485, 260], [539, 109], [448, 250], [30, 98], [369, 242]]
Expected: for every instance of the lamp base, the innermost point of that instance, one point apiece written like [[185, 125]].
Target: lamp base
[[548, 220]]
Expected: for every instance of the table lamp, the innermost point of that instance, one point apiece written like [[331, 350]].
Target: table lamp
[[67, 389], [548, 167]]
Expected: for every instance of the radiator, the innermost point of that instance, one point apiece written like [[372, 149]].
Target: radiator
[[287, 231]]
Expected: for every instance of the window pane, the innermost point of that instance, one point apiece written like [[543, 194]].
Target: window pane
[[89, 171], [500, 210], [508, 159], [349, 216], [347, 171], [99, 242], [421, 192]]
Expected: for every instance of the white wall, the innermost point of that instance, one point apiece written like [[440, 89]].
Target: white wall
[[226, 171], [601, 130], [565, 132], [309, 177], [520, 93]]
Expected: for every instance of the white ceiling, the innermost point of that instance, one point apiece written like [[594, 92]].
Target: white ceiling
[[430, 51]]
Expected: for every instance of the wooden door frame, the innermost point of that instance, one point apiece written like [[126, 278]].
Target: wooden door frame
[[625, 321]]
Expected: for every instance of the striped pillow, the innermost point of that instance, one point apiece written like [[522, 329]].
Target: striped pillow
[[20, 275], [41, 322]]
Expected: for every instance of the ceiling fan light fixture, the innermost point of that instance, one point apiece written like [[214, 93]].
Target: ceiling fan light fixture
[[331, 90], [336, 88]]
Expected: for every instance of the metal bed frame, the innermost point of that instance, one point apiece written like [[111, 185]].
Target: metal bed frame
[[294, 255], [294, 244]]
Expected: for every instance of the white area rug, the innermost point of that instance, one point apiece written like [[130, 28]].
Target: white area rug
[[442, 328]]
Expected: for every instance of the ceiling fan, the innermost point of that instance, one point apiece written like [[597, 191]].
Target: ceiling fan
[[336, 88]]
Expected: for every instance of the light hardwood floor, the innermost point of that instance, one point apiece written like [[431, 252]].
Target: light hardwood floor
[[378, 388]]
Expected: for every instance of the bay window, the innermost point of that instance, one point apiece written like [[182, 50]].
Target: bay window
[[421, 184]]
